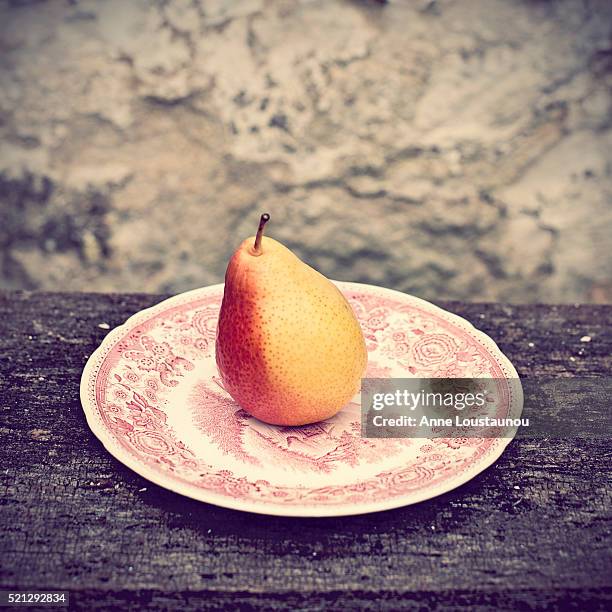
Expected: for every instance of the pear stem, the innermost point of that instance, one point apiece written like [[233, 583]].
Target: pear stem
[[262, 222]]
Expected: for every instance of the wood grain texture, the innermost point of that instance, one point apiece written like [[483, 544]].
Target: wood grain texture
[[532, 530]]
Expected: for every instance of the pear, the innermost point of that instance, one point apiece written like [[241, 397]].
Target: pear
[[290, 350]]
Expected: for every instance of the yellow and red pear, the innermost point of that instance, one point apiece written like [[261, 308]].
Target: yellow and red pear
[[289, 347]]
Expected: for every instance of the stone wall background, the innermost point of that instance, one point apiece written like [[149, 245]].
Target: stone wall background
[[452, 149]]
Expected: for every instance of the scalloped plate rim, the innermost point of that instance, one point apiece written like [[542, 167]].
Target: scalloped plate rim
[[279, 509]]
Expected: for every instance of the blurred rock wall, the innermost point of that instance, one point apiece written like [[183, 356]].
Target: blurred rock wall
[[452, 149]]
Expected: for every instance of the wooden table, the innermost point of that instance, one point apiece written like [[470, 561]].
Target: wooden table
[[533, 530]]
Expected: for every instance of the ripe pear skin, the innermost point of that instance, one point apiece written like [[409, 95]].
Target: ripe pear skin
[[289, 350]]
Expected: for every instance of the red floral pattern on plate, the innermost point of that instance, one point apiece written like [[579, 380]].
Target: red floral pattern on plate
[[152, 396]]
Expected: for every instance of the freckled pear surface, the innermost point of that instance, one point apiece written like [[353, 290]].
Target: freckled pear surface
[[290, 350]]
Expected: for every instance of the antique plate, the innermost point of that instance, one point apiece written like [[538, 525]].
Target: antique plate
[[152, 395]]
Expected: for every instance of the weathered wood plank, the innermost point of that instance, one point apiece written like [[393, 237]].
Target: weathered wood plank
[[531, 530]]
